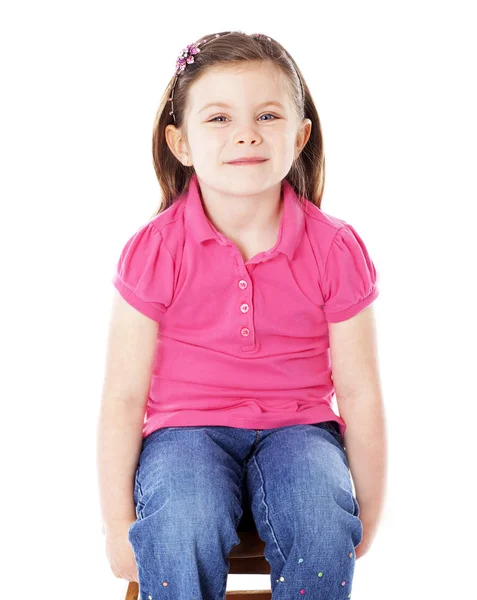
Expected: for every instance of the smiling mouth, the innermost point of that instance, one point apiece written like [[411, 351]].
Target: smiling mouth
[[247, 162]]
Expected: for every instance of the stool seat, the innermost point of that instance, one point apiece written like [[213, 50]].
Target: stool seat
[[247, 558]]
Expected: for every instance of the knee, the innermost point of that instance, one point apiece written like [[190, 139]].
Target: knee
[[329, 517], [191, 516]]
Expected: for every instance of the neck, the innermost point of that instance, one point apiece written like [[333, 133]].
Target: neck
[[242, 216]]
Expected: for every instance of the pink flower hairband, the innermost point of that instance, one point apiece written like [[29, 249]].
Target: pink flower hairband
[[187, 57]]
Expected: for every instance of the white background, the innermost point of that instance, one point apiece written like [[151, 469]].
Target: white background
[[394, 85]]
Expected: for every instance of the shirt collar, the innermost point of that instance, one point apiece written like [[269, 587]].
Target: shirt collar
[[292, 221]]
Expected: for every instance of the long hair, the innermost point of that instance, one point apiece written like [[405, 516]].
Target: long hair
[[307, 174]]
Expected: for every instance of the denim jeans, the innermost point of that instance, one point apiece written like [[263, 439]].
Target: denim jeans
[[189, 487]]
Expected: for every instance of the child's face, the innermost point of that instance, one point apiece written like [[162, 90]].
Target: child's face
[[218, 134]]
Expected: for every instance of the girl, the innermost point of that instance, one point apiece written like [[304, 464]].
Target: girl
[[258, 293]]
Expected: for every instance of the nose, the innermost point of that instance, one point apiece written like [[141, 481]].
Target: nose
[[250, 137]]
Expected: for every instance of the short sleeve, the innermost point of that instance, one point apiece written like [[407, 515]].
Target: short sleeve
[[145, 272], [349, 281]]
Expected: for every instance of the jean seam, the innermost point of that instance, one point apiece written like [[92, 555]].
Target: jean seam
[[262, 489]]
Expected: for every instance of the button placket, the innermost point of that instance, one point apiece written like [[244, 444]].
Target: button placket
[[244, 307]]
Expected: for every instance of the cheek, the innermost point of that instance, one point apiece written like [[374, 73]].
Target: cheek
[[283, 146], [282, 137], [207, 140]]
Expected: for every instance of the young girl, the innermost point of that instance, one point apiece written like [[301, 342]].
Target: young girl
[[263, 305]]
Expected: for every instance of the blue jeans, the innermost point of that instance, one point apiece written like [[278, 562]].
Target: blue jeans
[[189, 487]]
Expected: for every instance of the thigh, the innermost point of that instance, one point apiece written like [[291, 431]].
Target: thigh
[[299, 478], [183, 471]]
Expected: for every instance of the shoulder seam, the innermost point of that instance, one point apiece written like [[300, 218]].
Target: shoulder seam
[[316, 215], [329, 250], [159, 231]]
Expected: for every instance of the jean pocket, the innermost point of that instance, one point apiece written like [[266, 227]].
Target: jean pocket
[[137, 494], [333, 428], [359, 524]]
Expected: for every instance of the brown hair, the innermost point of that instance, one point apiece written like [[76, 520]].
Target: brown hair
[[307, 173]]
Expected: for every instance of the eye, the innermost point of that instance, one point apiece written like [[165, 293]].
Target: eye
[[222, 116]]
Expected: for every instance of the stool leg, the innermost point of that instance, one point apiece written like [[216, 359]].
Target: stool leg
[[132, 591]]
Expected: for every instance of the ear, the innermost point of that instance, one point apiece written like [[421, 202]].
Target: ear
[[177, 144], [303, 135]]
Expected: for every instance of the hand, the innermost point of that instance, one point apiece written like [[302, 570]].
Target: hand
[[369, 529], [120, 552]]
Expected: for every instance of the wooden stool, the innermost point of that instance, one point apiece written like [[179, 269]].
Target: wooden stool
[[245, 559]]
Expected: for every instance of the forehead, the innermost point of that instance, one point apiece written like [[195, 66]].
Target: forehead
[[238, 84]]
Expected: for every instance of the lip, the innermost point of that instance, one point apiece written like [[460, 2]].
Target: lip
[[254, 161]]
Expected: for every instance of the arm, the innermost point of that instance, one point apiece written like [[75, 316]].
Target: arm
[[358, 393], [132, 341]]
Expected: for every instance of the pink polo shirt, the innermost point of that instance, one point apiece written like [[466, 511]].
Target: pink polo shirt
[[243, 344]]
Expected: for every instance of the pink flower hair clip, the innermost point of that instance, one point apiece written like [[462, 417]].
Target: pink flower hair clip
[[186, 57]]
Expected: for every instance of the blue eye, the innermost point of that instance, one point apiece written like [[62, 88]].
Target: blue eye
[[222, 116]]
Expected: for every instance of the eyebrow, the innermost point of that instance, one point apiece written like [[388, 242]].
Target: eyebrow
[[225, 105]]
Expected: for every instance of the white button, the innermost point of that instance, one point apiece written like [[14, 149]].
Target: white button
[[245, 331], [244, 308], [242, 284]]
